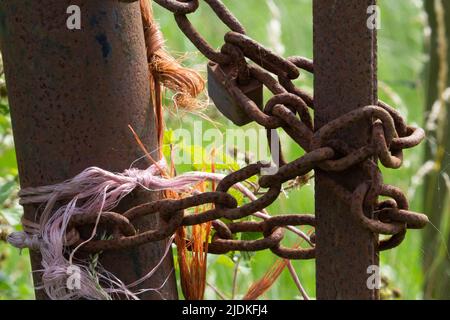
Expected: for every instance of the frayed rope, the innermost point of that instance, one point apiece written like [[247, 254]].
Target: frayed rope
[[165, 69], [93, 190]]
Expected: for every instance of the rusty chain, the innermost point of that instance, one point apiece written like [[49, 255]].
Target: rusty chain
[[289, 108]]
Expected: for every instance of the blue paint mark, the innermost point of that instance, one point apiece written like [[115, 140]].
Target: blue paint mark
[[106, 47], [93, 21]]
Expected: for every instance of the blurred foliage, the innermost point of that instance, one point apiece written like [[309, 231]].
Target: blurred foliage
[[401, 63], [15, 273], [437, 182]]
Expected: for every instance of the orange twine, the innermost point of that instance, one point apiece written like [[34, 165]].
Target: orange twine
[[166, 71], [187, 84]]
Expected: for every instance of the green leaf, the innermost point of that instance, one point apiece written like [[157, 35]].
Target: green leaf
[[168, 137], [4, 108], [238, 196], [8, 163], [6, 190], [225, 260]]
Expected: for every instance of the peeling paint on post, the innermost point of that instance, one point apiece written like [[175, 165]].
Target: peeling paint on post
[[72, 95], [345, 79]]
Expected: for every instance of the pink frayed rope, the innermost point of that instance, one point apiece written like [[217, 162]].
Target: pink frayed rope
[[94, 190]]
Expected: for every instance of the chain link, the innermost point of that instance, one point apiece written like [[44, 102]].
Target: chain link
[[289, 108]]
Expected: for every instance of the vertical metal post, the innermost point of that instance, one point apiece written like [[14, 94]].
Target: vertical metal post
[[345, 79], [72, 95]]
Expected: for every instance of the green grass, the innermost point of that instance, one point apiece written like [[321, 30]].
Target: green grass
[[401, 61]]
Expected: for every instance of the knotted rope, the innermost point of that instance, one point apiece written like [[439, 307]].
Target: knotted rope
[[93, 190]]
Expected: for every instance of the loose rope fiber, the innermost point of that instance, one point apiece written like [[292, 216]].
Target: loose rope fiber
[[93, 190], [165, 70], [186, 83]]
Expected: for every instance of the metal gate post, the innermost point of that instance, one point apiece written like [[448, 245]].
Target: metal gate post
[[72, 95], [345, 79]]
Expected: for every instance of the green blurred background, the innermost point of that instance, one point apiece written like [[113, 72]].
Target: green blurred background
[[285, 26]]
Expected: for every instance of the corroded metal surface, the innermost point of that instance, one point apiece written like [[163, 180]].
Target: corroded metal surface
[[72, 96], [345, 80]]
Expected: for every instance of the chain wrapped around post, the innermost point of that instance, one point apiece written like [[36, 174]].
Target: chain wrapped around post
[[236, 87]]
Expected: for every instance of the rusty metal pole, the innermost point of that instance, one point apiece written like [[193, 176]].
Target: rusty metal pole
[[72, 95], [345, 79]]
